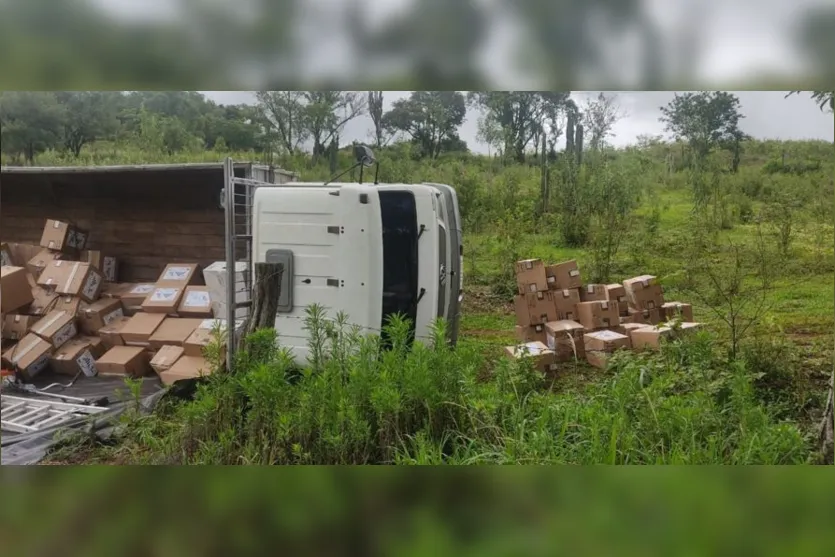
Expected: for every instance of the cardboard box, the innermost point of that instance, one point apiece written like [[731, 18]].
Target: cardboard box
[[617, 293], [646, 316], [678, 311], [22, 253], [196, 302], [565, 338], [73, 357], [179, 275], [605, 341], [164, 299], [132, 295], [28, 357], [566, 302], [131, 361], [6, 259], [63, 236], [140, 327], [16, 326], [593, 293], [186, 367], [598, 359], [530, 276], [564, 276], [598, 315], [198, 340], [43, 301], [650, 337], [100, 313], [628, 328], [70, 304], [97, 347], [544, 359], [644, 292], [530, 333], [15, 292], [56, 327], [111, 334], [535, 309], [105, 264], [173, 331], [165, 358], [73, 278], [215, 276], [41, 260]]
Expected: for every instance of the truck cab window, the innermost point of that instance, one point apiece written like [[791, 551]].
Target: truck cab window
[[400, 255]]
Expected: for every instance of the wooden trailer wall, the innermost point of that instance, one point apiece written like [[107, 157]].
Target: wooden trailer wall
[[146, 219]]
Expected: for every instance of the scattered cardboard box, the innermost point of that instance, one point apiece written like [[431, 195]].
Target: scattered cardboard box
[[100, 313], [565, 275], [173, 331], [196, 302], [138, 330], [186, 367], [73, 278], [97, 347], [530, 276], [73, 357], [530, 333], [535, 309], [43, 301], [28, 357], [179, 275], [62, 236], [644, 292], [628, 328], [646, 316], [56, 327], [598, 359], [15, 292], [543, 359], [565, 338], [617, 293], [600, 314], [593, 293], [16, 326], [105, 264], [198, 340], [41, 260], [70, 304], [605, 341], [566, 303], [166, 357], [111, 334], [131, 361], [677, 310], [215, 276], [164, 299]]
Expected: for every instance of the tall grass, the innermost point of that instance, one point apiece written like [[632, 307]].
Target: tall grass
[[415, 404]]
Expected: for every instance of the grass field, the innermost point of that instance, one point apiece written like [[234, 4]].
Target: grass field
[[429, 406]]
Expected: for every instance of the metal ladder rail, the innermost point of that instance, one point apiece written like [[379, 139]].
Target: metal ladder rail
[[24, 415]]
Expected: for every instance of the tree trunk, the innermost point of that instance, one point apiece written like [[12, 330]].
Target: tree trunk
[[826, 434], [265, 294]]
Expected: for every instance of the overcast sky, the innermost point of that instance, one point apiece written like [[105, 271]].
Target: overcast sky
[[768, 115]]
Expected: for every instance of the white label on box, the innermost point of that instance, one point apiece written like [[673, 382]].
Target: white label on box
[[532, 287], [621, 298], [532, 348], [552, 341], [39, 364], [197, 299], [650, 304], [142, 289], [108, 319], [604, 305], [51, 244], [176, 273], [551, 279], [566, 293], [590, 289], [56, 224], [574, 273], [92, 285], [529, 264], [109, 268], [164, 295], [64, 334], [606, 335], [87, 364], [80, 239]]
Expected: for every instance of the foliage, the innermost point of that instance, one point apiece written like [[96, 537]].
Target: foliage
[[30, 123], [430, 119], [599, 118]]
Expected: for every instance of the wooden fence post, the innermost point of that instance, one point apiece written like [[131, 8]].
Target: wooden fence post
[[265, 293]]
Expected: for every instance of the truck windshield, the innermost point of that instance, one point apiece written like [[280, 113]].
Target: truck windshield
[[400, 255]]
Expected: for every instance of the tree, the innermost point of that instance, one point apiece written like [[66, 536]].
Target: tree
[[375, 110], [519, 115], [30, 123], [327, 112], [88, 116], [705, 120], [429, 118], [823, 98], [599, 117], [286, 113]]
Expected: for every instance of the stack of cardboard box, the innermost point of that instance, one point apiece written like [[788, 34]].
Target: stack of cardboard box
[[63, 309], [561, 319]]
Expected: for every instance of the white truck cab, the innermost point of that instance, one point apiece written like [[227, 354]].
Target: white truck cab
[[368, 250]]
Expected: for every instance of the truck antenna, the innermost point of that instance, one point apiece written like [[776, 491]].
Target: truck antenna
[[364, 157]]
